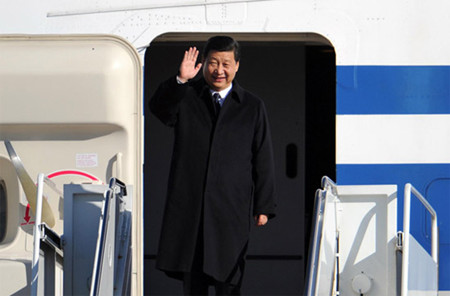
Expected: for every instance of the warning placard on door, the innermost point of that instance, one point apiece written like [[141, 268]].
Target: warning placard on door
[[86, 160]]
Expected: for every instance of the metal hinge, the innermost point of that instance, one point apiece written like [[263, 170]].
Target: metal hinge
[[399, 242]]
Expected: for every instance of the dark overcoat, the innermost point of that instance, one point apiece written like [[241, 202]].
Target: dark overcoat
[[221, 172]]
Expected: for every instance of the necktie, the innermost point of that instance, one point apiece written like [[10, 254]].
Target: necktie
[[216, 101]]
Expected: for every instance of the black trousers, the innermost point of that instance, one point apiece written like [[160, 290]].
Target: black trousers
[[198, 283]]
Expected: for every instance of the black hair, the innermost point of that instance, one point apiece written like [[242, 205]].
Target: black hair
[[222, 43]]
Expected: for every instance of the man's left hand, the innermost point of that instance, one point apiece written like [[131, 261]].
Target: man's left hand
[[261, 220]]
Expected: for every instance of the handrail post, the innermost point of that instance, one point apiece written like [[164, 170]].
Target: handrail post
[[410, 190], [434, 225], [320, 204], [37, 236], [315, 243], [406, 221], [37, 231]]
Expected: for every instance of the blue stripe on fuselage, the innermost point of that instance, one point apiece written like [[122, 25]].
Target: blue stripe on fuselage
[[393, 89]]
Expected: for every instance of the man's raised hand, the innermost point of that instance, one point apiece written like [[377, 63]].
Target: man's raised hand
[[188, 69]]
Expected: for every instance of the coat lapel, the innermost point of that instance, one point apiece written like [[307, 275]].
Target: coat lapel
[[204, 107], [231, 103]]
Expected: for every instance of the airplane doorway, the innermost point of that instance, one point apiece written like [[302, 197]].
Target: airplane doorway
[[295, 75]]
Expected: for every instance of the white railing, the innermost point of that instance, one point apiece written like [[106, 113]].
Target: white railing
[[37, 236], [112, 263], [38, 233], [321, 277], [409, 191], [313, 264]]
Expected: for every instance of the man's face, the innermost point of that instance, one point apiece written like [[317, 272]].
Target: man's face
[[219, 69]]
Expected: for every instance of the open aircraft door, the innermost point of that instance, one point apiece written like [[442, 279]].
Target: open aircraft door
[[71, 109], [356, 249]]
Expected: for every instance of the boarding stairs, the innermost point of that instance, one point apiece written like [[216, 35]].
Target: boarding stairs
[[357, 250], [93, 257]]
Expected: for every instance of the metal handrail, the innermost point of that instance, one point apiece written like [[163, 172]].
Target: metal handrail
[[316, 236], [313, 258], [37, 234], [328, 184], [117, 189], [410, 190]]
